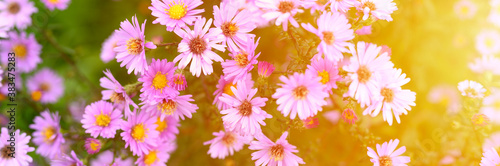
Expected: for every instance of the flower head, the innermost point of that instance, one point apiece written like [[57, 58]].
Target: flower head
[[326, 70], [274, 153], [47, 136], [67, 160], [107, 50], [265, 69], [243, 61], [310, 122], [175, 13], [465, 9], [480, 120], [488, 42], [139, 132], [388, 155], [45, 86], [116, 93], [234, 25], [168, 127], [379, 9], [225, 87], [17, 13], [179, 82], [471, 89], [17, 154], [157, 156], [282, 11], [349, 116], [102, 119], [157, 79], [226, 143], [26, 50], [178, 106], [59, 4], [92, 145]]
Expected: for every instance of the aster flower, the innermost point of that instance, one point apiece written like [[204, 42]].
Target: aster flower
[[274, 153], [235, 25], [480, 120], [490, 158], [175, 13], [465, 9], [17, 13], [17, 155], [130, 46], [226, 143], [300, 94], [343, 5], [157, 78], [179, 82], [157, 156], [197, 44], [59, 4], [225, 87], [392, 98], [265, 69], [488, 42], [491, 106], [388, 155], [178, 106], [47, 136], [168, 127], [139, 132], [244, 115], [107, 52], [366, 66], [242, 63], [45, 86], [92, 145], [349, 116], [380, 9], [326, 70], [26, 50], [334, 31], [310, 122], [107, 157], [282, 11], [67, 160], [471, 89], [486, 64], [102, 119], [116, 93]]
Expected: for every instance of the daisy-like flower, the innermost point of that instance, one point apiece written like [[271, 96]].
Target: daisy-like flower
[[178, 106], [179, 82], [197, 44], [67, 160], [486, 64], [480, 120], [92, 145], [26, 50], [45, 86], [156, 80], [107, 52], [380, 9], [388, 155], [491, 106], [265, 69], [140, 133], [17, 154], [242, 63], [47, 136], [175, 13], [366, 66], [59, 4], [300, 94], [490, 158], [168, 127], [334, 31], [488, 42], [349, 116], [225, 87], [274, 153], [17, 13], [465, 9], [282, 11], [116, 93], [102, 119], [226, 143], [326, 70], [107, 157], [494, 16], [471, 89], [310, 122], [343, 5], [235, 25], [157, 156], [130, 46], [244, 115], [393, 99]]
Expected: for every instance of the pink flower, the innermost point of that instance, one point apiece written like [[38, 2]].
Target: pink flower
[[274, 153], [139, 133], [115, 92], [170, 105], [47, 136], [471, 89], [107, 50], [17, 13], [243, 61], [488, 42], [92, 145], [235, 25], [244, 115], [387, 156], [157, 156], [197, 44], [175, 13], [300, 94], [168, 127], [45, 86], [365, 68], [156, 80], [67, 160], [326, 70], [365, 30], [179, 82], [107, 157], [265, 69], [379, 9], [465, 9], [490, 158], [310, 122], [226, 143], [282, 11], [334, 31], [19, 153], [102, 119], [343, 5], [225, 87], [349, 116], [59, 4], [26, 49], [130, 46]]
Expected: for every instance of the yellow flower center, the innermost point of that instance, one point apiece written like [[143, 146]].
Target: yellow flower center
[[385, 161], [117, 98], [227, 89], [229, 29], [176, 11], [139, 132], [162, 125], [150, 158], [7, 152], [241, 59], [285, 6], [160, 81], [489, 42], [363, 74], [102, 120], [464, 10], [300, 92], [228, 139], [277, 152], [470, 92], [48, 133], [167, 106], [134, 46], [94, 145], [480, 120], [20, 50], [178, 80], [14, 8], [36, 95], [328, 37], [325, 76], [54, 1], [388, 94], [370, 5]]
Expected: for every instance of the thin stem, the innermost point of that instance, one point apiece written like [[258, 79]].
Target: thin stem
[[167, 44]]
